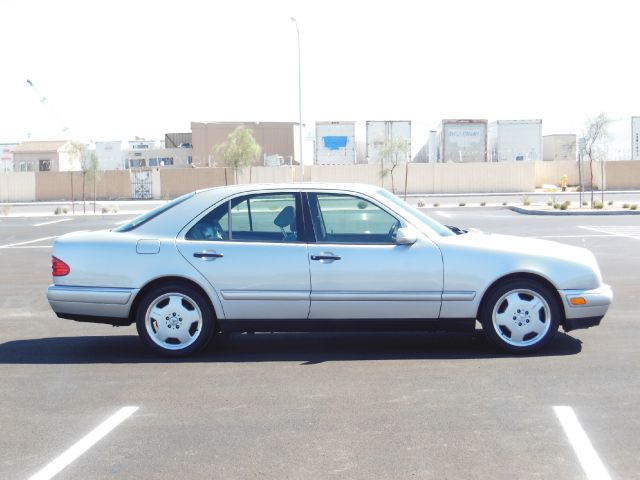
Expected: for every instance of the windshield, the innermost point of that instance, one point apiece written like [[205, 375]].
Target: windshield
[[145, 217], [430, 222]]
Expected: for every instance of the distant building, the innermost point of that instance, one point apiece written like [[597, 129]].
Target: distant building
[[335, 143], [47, 156], [151, 156], [110, 155], [178, 140], [559, 147], [380, 132], [462, 141], [275, 138], [6, 156], [514, 140]]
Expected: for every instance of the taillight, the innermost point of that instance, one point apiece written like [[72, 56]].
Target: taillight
[[59, 268]]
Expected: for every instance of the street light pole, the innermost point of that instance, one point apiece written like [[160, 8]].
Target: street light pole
[[299, 101]]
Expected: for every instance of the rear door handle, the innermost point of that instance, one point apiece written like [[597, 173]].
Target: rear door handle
[[325, 257], [206, 255]]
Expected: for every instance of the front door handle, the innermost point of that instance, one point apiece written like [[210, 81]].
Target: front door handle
[[325, 257], [206, 255]]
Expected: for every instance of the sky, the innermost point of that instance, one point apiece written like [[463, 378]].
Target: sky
[[119, 69]]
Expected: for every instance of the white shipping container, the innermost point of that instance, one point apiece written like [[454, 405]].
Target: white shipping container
[[635, 138], [514, 140], [463, 141], [335, 143], [559, 147], [379, 132]]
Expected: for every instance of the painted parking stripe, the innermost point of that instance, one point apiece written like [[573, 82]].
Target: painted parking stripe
[[626, 231], [84, 444], [52, 222], [444, 214], [589, 459], [28, 241]]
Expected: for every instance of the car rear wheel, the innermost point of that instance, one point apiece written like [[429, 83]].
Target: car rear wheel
[[175, 320], [520, 315]]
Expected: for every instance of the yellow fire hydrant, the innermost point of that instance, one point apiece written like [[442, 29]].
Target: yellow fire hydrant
[[563, 182]]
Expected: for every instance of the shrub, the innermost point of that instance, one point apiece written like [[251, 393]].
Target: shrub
[[65, 210], [585, 203], [564, 206], [625, 205], [597, 204], [525, 201], [504, 204], [610, 202], [461, 204], [436, 204], [421, 203], [482, 204], [57, 211], [105, 210], [556, 206], [633, 207]]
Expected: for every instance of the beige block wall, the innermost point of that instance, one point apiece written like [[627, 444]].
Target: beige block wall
[[17, 187], [110, 185], [267, 174], [622, 175], [548, 172], [178, 181]]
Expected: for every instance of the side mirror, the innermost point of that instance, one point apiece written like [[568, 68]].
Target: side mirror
[[406, 236]]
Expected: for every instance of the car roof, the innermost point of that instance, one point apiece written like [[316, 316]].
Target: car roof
[[231, 189]]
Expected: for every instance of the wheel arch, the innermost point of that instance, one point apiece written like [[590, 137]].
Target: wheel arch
[[523, 276], [169, 280]]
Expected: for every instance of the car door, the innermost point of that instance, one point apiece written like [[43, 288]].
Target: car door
[[357, 269], [249, 249]]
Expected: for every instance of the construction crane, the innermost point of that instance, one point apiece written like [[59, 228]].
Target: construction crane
[[45, 103]]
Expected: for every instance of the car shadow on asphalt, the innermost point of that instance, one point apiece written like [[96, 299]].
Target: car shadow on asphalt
[[305, 348]]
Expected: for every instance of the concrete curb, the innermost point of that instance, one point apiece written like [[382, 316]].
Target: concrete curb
[[557, 213]]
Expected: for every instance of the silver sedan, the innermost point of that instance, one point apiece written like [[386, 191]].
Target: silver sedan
[[308, 257]]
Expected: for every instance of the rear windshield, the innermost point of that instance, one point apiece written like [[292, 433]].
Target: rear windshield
[[145, 217]]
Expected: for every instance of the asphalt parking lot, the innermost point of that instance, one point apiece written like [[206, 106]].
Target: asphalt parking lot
[[363, 406]]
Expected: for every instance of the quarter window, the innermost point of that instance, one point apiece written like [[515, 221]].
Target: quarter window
[[348, 219]]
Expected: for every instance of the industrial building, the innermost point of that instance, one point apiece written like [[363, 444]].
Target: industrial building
[[380, 133], [6, 157], [110, 155], [462, 140], [559, 147], [335, 143], [145, 153], [44, 156], [277, 139], [514, 140]]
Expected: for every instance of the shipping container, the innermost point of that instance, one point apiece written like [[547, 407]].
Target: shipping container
[[380, 133], [559, 147], [462, 141], [335, 143], [635, 138], [514, 140]]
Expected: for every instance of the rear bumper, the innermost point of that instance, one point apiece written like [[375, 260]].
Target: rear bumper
[[596, 304], [91, 304]]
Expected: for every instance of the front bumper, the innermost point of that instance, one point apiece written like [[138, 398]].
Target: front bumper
[[91, 304], [596, 304]]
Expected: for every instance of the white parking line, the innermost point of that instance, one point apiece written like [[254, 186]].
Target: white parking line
[[84, 444], [626, 231], [28, 241], [575, 236], [444, 214], [589, 459], [52, 222]]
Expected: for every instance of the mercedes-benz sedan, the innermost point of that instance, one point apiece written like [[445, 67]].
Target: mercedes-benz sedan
[[330, 257]]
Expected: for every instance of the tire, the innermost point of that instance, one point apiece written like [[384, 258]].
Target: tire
[[175, 320], [520, 316]]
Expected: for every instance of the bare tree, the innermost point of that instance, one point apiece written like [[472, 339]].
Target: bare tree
[[240, 150], [595, 136], [89, 167], [393, 152]]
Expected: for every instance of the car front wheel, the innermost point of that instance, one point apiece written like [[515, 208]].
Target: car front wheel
[[174, 320], [521, 315]]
